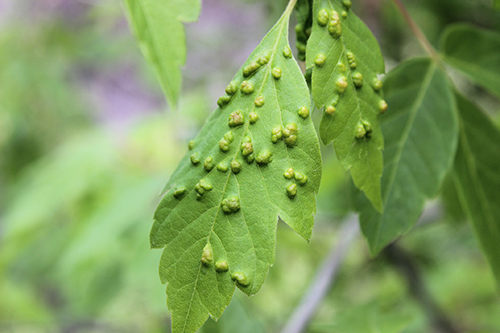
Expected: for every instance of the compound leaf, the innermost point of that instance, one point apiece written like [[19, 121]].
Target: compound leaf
[[346, 60], [157, 25], [474, 51], [475, 175], [421, 134], [256, 157]]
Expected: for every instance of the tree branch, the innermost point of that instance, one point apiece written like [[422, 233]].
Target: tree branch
[[325, 277]]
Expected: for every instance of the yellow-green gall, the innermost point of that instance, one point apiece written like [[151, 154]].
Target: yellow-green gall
[[347, 4], [259, 101], [236, 119], [202, 186], [235, 166], [221, 266], [230, 205], [224, 145], [377, 84], [195, 158], [250, 158], [351, 59], [287, 53], [264, 157], [323, 17], [335, 26], [241, 278], [330, 109], [382, 105], [232, 88], [179, 192], [207, 255], [320, 59], [229, 136], [246, 148], [360, 131], [304, 112], [208, 164], [253, 117], [276, 72], [276, 134], [288, 173], [263, 59], [344, 14], [191, 145], [341, 84], [290, 134], [251, 68], [246, 87], [357, 79], [222, 167], [291, 190], [300, 178], [223, 100]]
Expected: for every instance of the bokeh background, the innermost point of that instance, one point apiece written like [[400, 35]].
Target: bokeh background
[[87, 142]]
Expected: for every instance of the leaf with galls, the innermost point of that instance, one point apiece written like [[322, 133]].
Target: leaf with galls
[[345, 59], [217, 220]]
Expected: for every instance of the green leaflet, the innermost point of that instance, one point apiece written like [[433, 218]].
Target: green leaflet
[[256, 157], [421, 133], [346, 59], [159, 31], [476, 178], [475, 52]]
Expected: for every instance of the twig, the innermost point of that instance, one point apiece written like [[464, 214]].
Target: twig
[[324, 279], [417, 32]]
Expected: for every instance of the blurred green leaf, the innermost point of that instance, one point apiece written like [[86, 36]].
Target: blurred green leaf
[[235, 319], [476, 177], [421, 133], [346, 59], [160, 33], [257, 157], [474, 51], [368, 318]]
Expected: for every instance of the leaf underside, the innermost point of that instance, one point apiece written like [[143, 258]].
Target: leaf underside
[[475, 175], [157, 25], [345, 64], [256, 157], [474, 51], [421, 133]]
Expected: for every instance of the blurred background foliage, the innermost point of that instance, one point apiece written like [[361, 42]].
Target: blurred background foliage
[[87, 142]]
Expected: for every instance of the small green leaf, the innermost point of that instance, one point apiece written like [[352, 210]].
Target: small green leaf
[[421, 134], [475, 175], [158, 28], [474, 51], [234, 207], [346, 60]]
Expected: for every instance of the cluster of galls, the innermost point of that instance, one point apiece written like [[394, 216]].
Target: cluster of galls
[[332, 20]]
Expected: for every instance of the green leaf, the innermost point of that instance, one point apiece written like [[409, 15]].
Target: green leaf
[[256, 157], [421, 134], [475, 52], [157, 25], [347, 59], [496, 4], [475, 175]]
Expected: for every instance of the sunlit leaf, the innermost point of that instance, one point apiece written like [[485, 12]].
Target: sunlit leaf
[[475, 175], [346, 60], [421, 133], [474, 51], [158, 27], [256, 157]]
